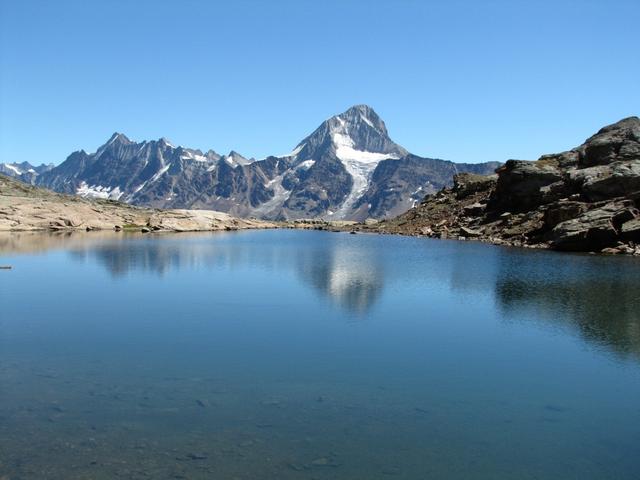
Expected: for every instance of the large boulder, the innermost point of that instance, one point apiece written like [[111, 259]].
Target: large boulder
[[630, 231], [616, 180], [465, 184], [561, 160], [595, 229], [520, 182], [562, 211], [620, 141]]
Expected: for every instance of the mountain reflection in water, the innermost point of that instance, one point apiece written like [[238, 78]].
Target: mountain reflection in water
[[351, 276], [555, 290]]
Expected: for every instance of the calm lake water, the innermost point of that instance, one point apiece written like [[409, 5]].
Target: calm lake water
[[311, 355]]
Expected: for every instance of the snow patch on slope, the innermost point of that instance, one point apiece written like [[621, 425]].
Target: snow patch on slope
[[346, 152], [160, 172], [231, 161], [98, 191], [306, 165], [361, 174], [235, 160], [187, 155], [280, 196], [360, 165], [13, 168], [293, 153], [367, 121]]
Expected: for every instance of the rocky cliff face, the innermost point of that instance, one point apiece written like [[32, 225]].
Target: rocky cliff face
[[586, 199], [348, 168]]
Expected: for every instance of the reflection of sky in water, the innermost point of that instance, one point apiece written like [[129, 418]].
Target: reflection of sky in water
[[559, 290], [371, 355]]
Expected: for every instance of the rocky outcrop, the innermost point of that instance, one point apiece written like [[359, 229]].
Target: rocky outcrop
[[594, 229], [585, 199]]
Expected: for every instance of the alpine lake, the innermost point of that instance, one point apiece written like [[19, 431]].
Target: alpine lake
[[286, 354]]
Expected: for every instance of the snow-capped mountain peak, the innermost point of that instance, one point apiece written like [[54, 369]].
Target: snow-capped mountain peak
[[347, 168], [164, 142], [358, 133], [358, 139], [24, 170], [118, 138], [234, 159]]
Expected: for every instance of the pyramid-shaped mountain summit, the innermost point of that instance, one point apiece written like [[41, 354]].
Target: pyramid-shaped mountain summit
[[346, 169]]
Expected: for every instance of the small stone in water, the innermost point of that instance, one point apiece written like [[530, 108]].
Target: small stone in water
[[555, 408], [196, 456]]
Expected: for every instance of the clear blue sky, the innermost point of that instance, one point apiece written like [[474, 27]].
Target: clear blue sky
[[461, 80]]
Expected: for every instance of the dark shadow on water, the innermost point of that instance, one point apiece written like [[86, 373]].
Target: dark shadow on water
[[597, 298]]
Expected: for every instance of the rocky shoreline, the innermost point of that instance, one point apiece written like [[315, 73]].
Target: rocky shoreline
[[27, 208], [583, 200]]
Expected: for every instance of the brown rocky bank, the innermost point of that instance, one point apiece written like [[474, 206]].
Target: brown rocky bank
[[585, 199], [25, 208]]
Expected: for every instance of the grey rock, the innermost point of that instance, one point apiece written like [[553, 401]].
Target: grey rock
[[630, 230], [520, 182], [465, 184], [594, 229], [563, 211], [619, 141], [474, 209], [468, 232], [614, 180]]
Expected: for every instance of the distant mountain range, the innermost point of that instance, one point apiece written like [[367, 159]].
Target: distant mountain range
[[348, 168], [24, 171]]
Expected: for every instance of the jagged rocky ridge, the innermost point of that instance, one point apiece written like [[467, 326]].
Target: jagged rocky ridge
[[585, 199], [348, 168], [24, 171]]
